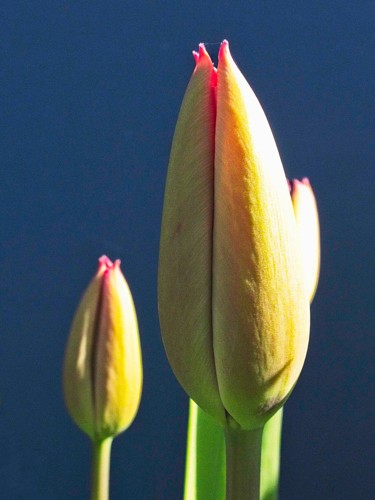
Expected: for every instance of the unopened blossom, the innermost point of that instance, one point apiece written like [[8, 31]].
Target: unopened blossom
[[102, 374], [233, 305]]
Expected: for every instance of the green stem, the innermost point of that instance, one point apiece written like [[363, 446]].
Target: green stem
[[191, 466], [205, 457], [270, 468], [101, 457], [243, 455]]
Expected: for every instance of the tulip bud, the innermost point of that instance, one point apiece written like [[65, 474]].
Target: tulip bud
[[102, 374], [306, 213], [233, 307]]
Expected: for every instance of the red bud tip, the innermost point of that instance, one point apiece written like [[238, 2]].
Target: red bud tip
[[202, 55], [105, 263], [224, 50], [306, 181], [202, 50]]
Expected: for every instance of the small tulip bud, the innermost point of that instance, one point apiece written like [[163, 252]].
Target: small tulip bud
[[102, 375], [306, 214]]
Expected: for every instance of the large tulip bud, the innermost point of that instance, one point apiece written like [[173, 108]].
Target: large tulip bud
[[234, 311]]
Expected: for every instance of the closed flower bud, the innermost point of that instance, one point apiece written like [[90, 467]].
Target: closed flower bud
[[102, 374], [307, 219], [234, 311]]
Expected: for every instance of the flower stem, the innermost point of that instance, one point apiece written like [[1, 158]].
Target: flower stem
[[205, 457], [101, 457], [270, 465], [243, 454]]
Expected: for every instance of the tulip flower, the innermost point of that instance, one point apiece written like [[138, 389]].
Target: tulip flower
[[234, 310], [233, 306], [102, 375]]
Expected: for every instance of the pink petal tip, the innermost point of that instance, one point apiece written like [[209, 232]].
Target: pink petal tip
[[305, 181], [224, 50], [105, 263], [202, 55]]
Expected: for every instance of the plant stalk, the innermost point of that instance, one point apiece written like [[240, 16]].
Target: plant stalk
[[243, 456], [101, 457], [270, 464], [205, 457]]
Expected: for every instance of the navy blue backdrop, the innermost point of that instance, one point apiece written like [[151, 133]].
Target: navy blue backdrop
[[90, 92]]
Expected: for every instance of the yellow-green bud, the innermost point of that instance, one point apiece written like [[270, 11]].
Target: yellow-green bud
[[102, 375], [234, 309]]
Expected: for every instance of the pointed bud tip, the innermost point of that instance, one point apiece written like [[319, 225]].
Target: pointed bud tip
[[105, 263], [295, 183], [202, 55], [306, 182], [224, 50]]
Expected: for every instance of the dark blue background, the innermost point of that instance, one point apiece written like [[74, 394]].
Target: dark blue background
[[90, 92]]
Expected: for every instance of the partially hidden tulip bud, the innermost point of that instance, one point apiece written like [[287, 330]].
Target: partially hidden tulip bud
[[102, 375], [234, 310], [306, 213]]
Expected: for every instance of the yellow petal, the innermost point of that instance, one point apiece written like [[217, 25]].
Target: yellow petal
[[260, 305], [118, 362], [307, 219]]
